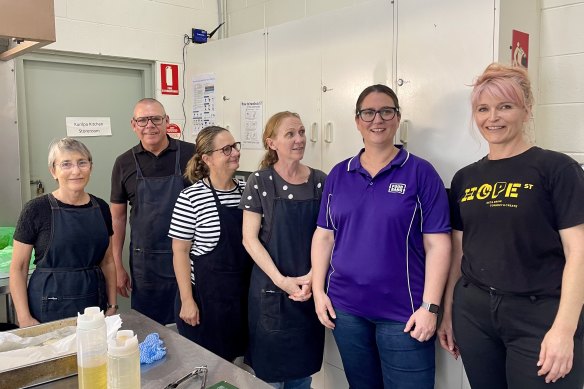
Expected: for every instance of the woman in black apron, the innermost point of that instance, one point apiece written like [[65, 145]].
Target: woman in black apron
[[280, 204], [70, 231], [212, 268]]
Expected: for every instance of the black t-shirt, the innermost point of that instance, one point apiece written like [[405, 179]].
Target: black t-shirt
[[510, 211], [162, 165], [34, 224]]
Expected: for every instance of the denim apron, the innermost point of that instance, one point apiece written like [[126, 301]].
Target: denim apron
[[286, 337], [153, 281], [67, 279], [221, 288]]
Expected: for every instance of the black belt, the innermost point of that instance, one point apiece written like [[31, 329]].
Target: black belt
[[65, 269]]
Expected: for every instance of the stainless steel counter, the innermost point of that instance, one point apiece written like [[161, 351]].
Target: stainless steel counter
[[182, 356]]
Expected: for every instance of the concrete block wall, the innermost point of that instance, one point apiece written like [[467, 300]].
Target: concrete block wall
[[560, 99]]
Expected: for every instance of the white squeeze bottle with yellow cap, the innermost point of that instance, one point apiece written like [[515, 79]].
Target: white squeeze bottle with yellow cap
[[92, 349], [123, 361]]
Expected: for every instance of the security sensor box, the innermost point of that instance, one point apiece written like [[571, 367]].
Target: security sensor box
[[199, 36]]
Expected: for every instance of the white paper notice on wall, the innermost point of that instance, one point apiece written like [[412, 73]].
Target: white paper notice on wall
[[251, 124], [88, 126], [203, 102]]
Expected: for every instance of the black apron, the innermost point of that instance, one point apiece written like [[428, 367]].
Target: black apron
[[153, 281], [67, 279], [286, 337], [220, 290]]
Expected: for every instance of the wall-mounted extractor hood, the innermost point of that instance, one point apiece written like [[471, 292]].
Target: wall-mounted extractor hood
[[25, 25]]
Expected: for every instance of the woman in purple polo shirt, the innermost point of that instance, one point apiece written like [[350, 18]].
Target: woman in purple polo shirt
[[381, 253]]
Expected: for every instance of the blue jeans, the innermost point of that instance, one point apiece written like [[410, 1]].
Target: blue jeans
[[378, 353], [300, 383]]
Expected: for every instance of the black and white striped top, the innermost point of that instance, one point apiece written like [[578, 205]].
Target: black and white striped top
[[195, 215]]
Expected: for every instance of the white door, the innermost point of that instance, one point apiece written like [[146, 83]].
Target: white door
[[244, 81], [356, 53], [440, 50], [294, 78]]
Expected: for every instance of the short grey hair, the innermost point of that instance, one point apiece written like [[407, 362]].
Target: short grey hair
[[67, 145]]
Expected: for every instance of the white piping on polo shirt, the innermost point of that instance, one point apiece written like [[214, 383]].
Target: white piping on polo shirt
[[408, 254], [349, 162], [328, 202], [406, 160]]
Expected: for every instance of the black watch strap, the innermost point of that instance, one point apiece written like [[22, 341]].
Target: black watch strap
[[433, 308]]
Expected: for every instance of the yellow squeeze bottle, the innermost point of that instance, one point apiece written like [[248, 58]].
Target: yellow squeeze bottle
[[91, 349]]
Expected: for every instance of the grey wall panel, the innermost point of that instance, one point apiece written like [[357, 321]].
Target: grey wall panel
[[10, 196]]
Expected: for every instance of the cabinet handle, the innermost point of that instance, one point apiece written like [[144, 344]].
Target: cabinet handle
[[328, 132], [314, 132], [403, 132]]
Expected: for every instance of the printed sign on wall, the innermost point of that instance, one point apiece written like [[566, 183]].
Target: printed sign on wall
[[88, 126], [520, 49], [169, 79]]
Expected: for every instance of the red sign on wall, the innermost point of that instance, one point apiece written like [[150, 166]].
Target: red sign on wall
[[520, 49], [173, 130], [169, 79]]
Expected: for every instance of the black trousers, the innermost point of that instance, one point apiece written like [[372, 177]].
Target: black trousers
[[500, 335]]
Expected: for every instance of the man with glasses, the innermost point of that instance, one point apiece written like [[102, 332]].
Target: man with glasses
[[149, 178]]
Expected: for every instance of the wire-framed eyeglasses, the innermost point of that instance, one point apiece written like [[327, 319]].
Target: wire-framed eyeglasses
[[227, 150], [387, 113], [82, 164], [143, 121]]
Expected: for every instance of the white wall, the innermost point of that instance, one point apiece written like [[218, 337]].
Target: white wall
[[249, 15], [560, 115]]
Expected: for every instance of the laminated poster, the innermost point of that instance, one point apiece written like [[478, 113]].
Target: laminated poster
[[203, 102], [251, 124]]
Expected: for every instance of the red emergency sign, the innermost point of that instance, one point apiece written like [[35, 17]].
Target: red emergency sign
[[169, 79]]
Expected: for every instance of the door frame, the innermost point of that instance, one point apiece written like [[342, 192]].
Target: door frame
[[147, 69]]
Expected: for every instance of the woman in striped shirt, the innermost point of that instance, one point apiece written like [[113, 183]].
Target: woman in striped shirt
[[212, 268]]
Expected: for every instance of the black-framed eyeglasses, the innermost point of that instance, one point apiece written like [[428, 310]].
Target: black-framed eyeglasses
[[82, 164], [143, 121], [368, 115], [227, 150]]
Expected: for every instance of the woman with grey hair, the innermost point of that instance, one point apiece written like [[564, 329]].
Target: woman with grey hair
[[70, 231]]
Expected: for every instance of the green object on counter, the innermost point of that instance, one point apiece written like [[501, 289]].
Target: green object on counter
[[6, 258], [6, 234]]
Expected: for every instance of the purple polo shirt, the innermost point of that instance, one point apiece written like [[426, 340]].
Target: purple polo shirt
[[378, 261]]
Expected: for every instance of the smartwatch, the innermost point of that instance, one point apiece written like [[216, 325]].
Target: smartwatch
[[432, 308]]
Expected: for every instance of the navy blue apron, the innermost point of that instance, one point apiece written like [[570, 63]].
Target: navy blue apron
[[67, 279], [153, 281], [221, 288], [286, 338]]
